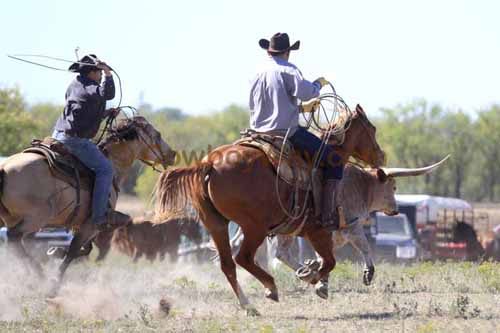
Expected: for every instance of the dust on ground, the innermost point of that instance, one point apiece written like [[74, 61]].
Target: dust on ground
[[119, 295]]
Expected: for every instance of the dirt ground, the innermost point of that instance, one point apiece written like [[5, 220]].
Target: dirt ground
[[119, 296]]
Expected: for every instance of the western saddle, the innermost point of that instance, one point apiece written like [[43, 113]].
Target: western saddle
[[67, 167]]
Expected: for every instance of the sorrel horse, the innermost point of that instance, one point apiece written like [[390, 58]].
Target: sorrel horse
[[232, 183]]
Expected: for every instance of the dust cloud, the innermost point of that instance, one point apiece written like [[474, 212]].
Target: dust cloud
[[116, 288]]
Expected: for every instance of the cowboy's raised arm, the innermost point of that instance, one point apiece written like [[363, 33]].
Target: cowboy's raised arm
[[107, 89]]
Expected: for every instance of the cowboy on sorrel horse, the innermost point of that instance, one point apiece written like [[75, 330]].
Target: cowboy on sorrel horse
[[234, 183]]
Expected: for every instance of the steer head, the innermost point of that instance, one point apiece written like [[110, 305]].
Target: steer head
[[383, 198]]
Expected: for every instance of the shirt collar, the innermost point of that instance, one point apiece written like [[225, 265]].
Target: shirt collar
[[279, 60]]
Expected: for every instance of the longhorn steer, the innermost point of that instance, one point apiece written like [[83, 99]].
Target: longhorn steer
[[361, 192]]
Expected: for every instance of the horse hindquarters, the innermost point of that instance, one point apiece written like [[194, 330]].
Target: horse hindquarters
[[32, 195]]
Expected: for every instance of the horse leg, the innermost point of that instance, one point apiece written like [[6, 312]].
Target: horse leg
[[80, 240], [217, 226], [15, 241], [246, 259], [322, 243]]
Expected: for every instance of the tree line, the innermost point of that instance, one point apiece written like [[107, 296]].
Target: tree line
[[412, 134]]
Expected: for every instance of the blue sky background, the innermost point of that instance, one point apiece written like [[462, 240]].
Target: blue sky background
[[200, 55]]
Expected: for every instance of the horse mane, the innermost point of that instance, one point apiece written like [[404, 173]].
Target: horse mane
[[125, 130], [340, 125]]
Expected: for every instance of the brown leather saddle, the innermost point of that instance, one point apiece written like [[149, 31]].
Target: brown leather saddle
[[63, 165], [292, 168], [66, 166]]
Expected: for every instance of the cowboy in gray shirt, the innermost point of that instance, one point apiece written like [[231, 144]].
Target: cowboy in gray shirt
[[277, 96]]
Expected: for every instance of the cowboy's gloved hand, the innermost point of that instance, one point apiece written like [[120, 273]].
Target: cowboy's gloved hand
[[310, 106], [322, 81], [103, 66]]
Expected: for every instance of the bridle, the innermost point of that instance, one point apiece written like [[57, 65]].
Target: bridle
[[159, 155], [115, 135]]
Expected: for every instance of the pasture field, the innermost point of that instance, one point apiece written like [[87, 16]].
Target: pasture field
[[119, 296]]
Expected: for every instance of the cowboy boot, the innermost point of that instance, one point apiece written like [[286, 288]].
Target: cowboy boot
[[329, 214]]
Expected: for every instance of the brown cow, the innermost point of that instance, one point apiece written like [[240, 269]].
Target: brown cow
[[144, 238]]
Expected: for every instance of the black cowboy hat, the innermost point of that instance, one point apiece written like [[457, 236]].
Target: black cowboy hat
[[80, 66], [279, 43]]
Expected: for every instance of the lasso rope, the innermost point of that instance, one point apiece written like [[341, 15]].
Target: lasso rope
[[110, 119], [335, 127]]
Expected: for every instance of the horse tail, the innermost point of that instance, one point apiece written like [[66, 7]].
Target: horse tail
[[180, 191]]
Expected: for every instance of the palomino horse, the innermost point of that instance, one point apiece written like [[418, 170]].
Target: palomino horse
[[233, 183], [31, 198]]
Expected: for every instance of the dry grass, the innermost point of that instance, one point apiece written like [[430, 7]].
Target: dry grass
[[120, 296]]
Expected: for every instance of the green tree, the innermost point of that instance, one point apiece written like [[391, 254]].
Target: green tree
[[488, 131], [457, 134], [17, 127], [408, 134], [45, 115], [193, 136]]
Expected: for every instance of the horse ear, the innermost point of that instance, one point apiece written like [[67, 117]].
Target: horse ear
[[360, 110]]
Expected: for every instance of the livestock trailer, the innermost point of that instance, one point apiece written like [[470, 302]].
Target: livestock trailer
[[433, 219]]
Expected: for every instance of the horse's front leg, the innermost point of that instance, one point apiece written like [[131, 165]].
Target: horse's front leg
[[322, 242]]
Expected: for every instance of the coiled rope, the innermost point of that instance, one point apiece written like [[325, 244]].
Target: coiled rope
[[331, 106]]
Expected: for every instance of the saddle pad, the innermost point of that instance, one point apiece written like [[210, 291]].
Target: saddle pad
[[293, 168], [62, 166]]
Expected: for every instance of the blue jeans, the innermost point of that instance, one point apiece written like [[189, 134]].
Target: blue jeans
[[94, 159], [308, 144]]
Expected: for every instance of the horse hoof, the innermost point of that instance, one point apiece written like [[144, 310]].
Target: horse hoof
[[252, 312], [322, 290], [307, 275], [272, 295], [309, 272], [368, 274]]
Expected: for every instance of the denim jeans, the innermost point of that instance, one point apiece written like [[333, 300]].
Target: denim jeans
[[88, 153], [308, 144]]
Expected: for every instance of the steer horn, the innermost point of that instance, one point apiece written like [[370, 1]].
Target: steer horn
[[406, 172]]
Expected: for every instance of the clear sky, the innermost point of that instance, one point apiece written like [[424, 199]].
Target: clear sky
[[200, 55]]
